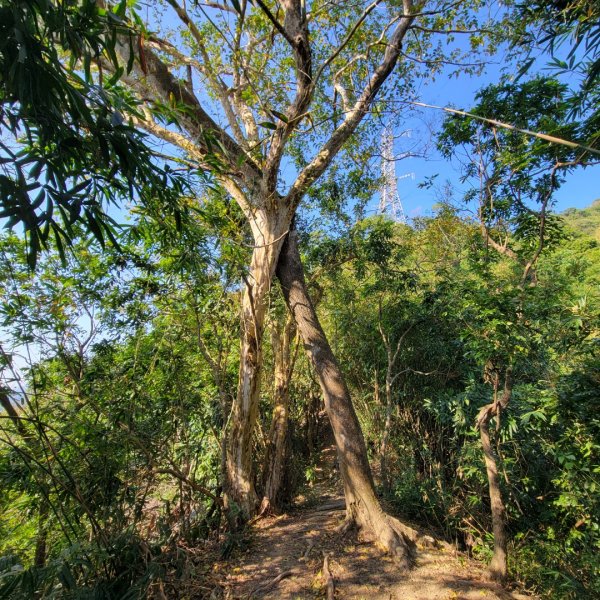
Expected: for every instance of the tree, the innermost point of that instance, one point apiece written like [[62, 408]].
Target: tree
[[122, 356], [514, 178], [571, 26], [247, 131], [463, 298], [284, 358]]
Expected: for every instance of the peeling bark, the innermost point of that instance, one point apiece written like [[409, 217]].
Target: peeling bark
[[251, 176], [362, 506], [239, 485], [275, 459]]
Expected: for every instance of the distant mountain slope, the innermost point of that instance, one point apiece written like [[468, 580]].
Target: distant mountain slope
[[585, 220]]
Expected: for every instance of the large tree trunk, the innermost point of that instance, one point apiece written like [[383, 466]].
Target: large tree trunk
[[282, 338], [240, 494], [239, 485], [362, 506]]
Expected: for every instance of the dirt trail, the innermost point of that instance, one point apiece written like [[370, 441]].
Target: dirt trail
[[285, 559]]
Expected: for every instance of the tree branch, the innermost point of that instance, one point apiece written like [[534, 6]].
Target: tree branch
[[217, 84], [151, 77], [330, 149], [347, 39], [296, 29]]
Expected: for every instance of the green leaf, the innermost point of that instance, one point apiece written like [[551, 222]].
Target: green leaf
[[279, 115]]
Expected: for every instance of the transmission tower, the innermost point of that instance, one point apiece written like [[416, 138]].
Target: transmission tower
[[390, 202]]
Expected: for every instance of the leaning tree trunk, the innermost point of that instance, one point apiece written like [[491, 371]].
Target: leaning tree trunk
[[282, 338], [362, 506], [240, 492]]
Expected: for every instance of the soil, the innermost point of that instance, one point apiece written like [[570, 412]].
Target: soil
[[285, 556]]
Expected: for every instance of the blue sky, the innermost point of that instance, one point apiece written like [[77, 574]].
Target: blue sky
[[581, 188], [579, 191]]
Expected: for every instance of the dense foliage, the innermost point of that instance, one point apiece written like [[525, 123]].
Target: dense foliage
[[69, 152], [456, 310], [467, 339], [118, 439]]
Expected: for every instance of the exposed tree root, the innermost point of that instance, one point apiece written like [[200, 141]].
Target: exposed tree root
[[265, 587], [265, 509], [362, 504], [345, 527], [397, 540], [328, 578], [389, 534], [331, 506], [309, 547]]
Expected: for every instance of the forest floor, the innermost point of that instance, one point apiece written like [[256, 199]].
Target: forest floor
[[285, 558]]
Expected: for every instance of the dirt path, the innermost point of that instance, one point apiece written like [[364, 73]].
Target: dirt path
[[285, 559]]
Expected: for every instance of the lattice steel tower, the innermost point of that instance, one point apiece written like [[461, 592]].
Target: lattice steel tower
[[390, 202]]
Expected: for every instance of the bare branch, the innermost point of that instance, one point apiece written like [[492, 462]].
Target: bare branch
[[216, 83], [151, 77], [222, 7], [177, 139], [347, 39], [542, 136], [399, 344], [278, 26], [329, 150], [296, 28]]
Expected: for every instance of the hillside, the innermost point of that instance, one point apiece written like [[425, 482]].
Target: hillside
[[585, 220]]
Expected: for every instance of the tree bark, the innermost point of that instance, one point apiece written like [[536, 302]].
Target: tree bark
[[252, 179], [269, 227], [387, 428], [362, 506], [498, 566], [239, 485], [282, 338]]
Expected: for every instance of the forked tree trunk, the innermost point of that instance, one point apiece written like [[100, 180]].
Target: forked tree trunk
[[498, 566], [240, 496], [282, 338], [362, 506]]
